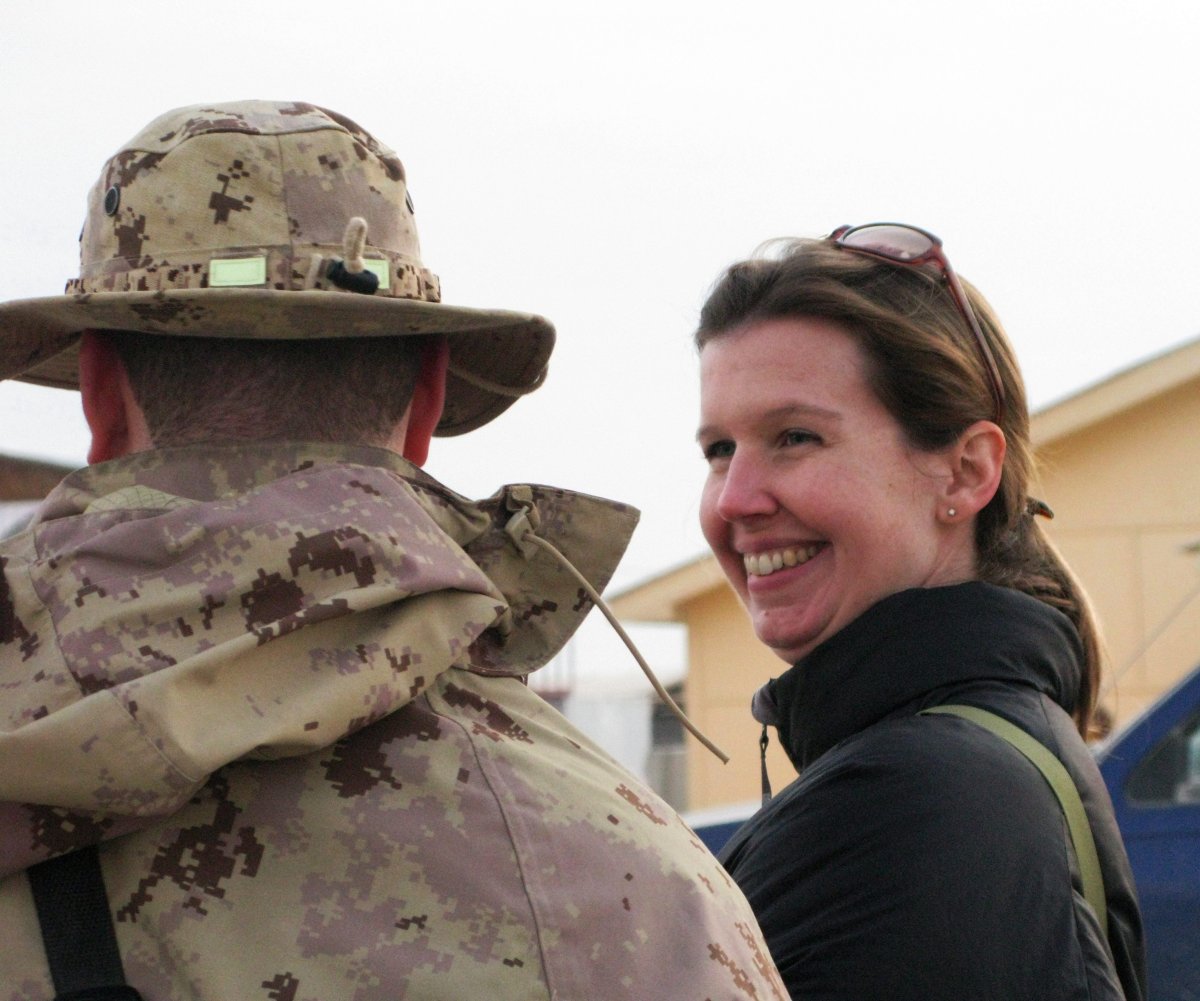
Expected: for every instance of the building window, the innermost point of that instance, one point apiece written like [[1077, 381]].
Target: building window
[[666, 769], [1171, 772]]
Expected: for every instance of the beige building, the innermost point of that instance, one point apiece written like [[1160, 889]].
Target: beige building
[[1120, 465]]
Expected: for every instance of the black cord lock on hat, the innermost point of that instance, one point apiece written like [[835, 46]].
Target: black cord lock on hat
[[351, 273], [366, 282]]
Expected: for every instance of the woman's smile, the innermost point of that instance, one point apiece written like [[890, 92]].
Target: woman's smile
[[766, 563]]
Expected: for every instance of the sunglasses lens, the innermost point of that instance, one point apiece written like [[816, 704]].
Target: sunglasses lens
[[901, 243]]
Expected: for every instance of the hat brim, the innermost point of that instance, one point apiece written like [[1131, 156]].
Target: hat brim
[[496, 356]]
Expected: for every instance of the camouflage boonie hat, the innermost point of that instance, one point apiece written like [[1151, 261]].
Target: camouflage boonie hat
[[265, 219]]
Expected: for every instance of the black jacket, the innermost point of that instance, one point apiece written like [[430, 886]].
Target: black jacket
[[921, 856]]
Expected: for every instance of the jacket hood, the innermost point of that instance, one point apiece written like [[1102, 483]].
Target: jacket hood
[[176, 610]]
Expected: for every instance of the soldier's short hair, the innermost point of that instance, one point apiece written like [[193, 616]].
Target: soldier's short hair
[[199, 389]]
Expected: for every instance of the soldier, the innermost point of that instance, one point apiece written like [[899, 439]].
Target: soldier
[[274, 671]]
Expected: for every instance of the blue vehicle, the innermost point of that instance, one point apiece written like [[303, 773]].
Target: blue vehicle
[[1152, 770]]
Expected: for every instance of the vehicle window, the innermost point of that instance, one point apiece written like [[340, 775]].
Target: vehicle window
[[1170, 773]]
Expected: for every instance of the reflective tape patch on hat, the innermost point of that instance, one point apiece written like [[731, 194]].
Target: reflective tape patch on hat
[[381, 269], [232, 271]]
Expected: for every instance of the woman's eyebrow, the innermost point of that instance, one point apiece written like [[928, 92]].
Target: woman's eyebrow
[[785, 412]]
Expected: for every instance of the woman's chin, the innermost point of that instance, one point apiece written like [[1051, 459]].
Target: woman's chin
[[789, 645]]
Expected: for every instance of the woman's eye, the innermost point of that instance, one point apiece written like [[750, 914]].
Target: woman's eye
[[718, 450], [798, 436]]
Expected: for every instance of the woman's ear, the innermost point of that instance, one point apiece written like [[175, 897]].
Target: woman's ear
[[112, 413], [976, 463], [429, 398]]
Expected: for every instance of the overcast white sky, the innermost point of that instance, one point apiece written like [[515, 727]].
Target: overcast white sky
[[600, 164]]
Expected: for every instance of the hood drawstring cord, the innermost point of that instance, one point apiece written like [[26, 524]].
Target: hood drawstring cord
[[522, 528], [764, 709], [763, 741]]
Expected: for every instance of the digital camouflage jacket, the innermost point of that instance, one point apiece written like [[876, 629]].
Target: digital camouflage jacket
[[284, 687]]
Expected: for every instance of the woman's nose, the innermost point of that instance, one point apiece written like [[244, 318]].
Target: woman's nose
[[745, 490]]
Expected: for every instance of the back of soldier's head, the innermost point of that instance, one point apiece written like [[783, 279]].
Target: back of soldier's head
[[212, 389]]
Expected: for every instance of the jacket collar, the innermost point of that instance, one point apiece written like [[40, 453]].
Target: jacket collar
[[538, 605], [908, 651]]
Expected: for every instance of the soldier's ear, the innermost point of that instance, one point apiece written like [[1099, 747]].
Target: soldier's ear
[[111, 410], [429, 398]]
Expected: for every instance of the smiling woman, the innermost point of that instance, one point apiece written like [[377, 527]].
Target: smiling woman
[[867, 437], [816, 505]]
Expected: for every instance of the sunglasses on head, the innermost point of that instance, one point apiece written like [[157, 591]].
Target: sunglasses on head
[[896, 243]]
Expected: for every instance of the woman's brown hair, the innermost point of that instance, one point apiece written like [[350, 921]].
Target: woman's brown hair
[[923, 365]]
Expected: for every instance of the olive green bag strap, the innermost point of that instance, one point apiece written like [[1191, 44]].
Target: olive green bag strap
[[1064, 788]]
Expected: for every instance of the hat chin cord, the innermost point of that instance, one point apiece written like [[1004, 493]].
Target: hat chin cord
[[351, 271], [521, 528], [499, 389], [354, 242]]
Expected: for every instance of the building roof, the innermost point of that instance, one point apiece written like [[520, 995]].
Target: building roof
[[28, 479], [662, 597], [1118, 393]]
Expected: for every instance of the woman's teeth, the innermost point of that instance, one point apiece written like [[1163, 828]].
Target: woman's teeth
[[762, 564]]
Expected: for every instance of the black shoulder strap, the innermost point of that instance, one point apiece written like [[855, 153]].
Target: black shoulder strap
[[77, 928]]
